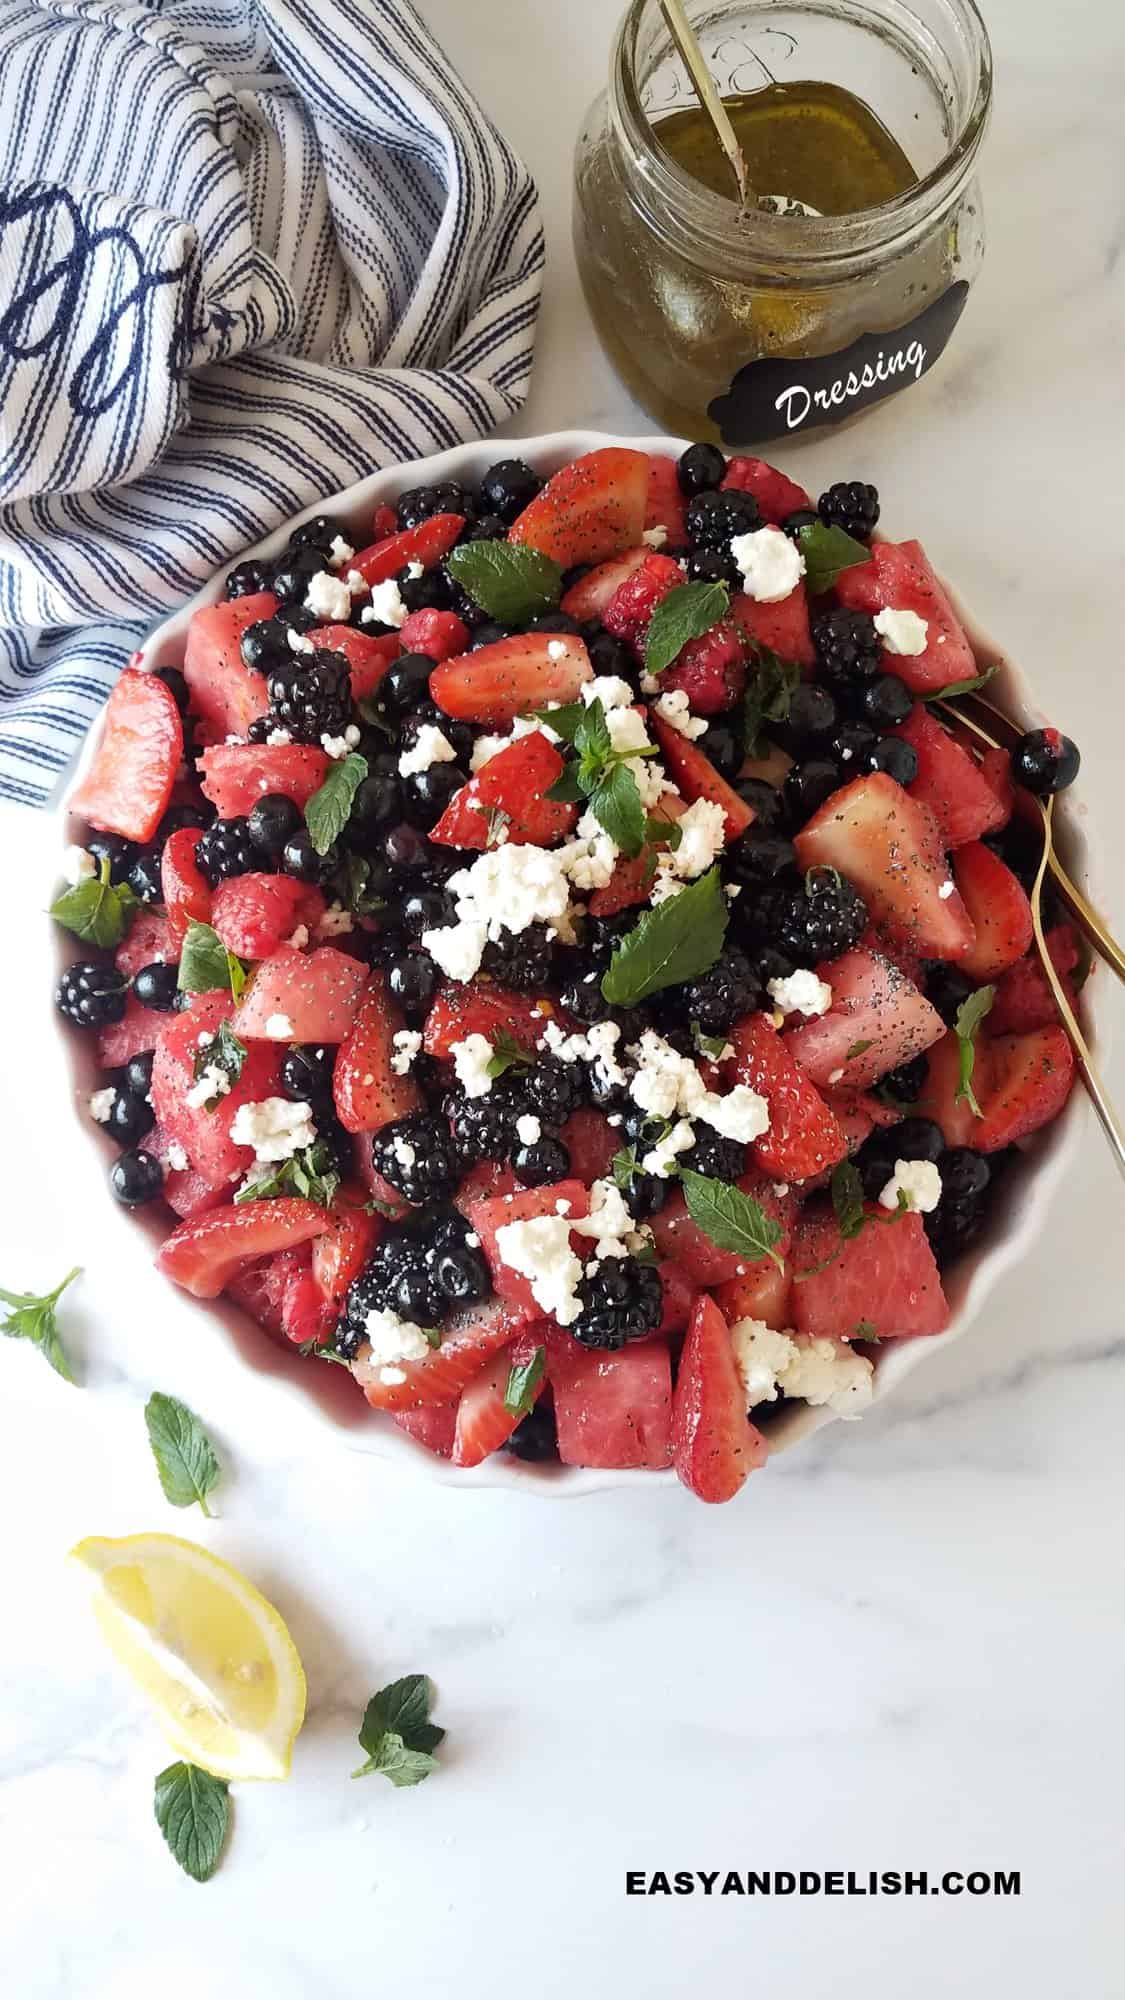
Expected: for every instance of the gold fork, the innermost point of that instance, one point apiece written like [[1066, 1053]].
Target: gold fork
[[1085, 916]]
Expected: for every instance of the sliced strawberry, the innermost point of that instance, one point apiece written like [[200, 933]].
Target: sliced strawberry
[[804, 1136], [710, 670], [1024, 999], [996, 770], [697, 777], [679, 1297], [588, 598], [887, 844], [234, 776], [315, 992], [1029, 1080], [592, 1143], [206, 1252], [384, 523], [630, 609], [899, 578], [468, 1340], [777, 496], [962, 800], [783, 627], [186, 891], [715, 1447], [666, 507], [489, 1217], [368, 1092], [612, 1411], [368, 657], [129, 783], [131, 1036], [681, 1240], [340, 1254], [940, 1099], [631, 881], [885, 1277], [484, 1421], [427, 544], [205, 1135], [511, 677], [460, 1011], [148, 941], [590, 509], [877, 1020], [433, 1427], [998, 910], [226, 696], [254, 914], [762, 1292], [441, 635], [306, 1314], [262, 1289], [514, 782]]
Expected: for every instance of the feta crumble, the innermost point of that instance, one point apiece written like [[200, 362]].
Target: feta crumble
[[902, 632], [279, 739], [273, 1127], [628, 731], [470, 1061], [556, 649], [801, 993], [655, 538], [415, 569], [918, 1180], [485, 748], [78, 865], [298, 642], [539, 1250], [610, 690], [823, 1372], [590, 858], [212, 1082], [328, 598], [674, 708], [279, 1028], [386, 606], [101, 1104], [393, 1340], [406, 1044], [506, 889], [609, 1222], [528, 1129], [661, 1158], [337, 747], [430, 746], [772, 566], [299, 938], [336, 922], [176, 1158], [339, 552], [946, 890]]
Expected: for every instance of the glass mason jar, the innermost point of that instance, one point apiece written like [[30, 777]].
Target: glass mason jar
[[741, 325]]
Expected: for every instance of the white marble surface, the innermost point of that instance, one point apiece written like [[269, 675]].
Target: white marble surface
[[903, 1647]]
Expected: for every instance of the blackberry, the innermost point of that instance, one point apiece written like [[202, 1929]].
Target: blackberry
[[136, 1177], [157, 986], [272, 821], [508, 487], [851, 748], [91, 996], [417, 1156], [719, 997], [524, 960], [420, 1274], [535, 1439], [246, 579], [802, 517], [885, 702], [226, 849], [144, 875], [822, 918], [898, 759], [130, 1118], [486, 528], [806, 787], [721, 743], [719, 1158], [907, 1082], [310, 695], [432, 591], [482, 1127], [712, 566], [553, 1089], [700, 469], [1044, 761], [714, 518], [421, 503], [946, 989], [320, 533], [306, 1074], [847, 646], [294, 573], [852, 506], [540, 1161], [623, 1300], [583, 998]]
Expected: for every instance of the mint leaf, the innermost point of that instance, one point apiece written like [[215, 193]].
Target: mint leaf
[[827, 551], [397, 1734], [319, 1353], [667, 830], [966, 1027], [678, 940], [497, 822], [31, 1317], [507, 1054], [566, 720], [961, 687], [711, 1046], [185, 1459], [523, 1381], [329, 809], [846, 1188], [193, 1813], [98, 911], [223, 1052], [616, 805], [206, 966], [857, 1049], [566, 790], [350, 887], [313, 1174], [864, 1329], [625, 1168], [509, 580], [688, 611], [731, 1219], [770, 687], [592, 739]]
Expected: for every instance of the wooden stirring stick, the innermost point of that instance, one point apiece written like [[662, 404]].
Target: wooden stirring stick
[[704, 85]]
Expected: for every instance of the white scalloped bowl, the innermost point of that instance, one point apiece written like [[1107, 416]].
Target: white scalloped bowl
[[323, 1397]]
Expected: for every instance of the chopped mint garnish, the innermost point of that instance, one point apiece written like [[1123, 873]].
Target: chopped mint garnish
[[223, 1052], [206, 966], [507, 1054], [312, 1174], [329, 809], [961, 687], [523, 1382], [770, 687], [675, 941], [600, 774], [827, 551]]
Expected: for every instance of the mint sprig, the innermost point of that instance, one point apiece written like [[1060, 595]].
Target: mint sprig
[[312, 1174], [507, 1054], [330, 808], [185, 1457], [99, 911], [509, 580], [599, 774], [193, 1813], [687, 612], [966, 1027], [675, 941], [523, 1382], [730, 1219], [350, 887], [827, 551], [397, 1734], [31, 1316], [206, 966]]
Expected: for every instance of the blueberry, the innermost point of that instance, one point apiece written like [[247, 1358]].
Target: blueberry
[[300, 859], [802, 517], [885, 701], [899, 760], [412, 980], [721, 742], [176, 684], [811, 719], [763, 798], [137, 1074], [306, 1073], [426, 794], [157, 986], [1044, 761], [964, 1174], [489, 633], [807, 786], [272, 821], [406, 683], [508, 487], [915, 1139], [130, 1118], [110, 847], [406, 849], [555, 621], [424, 909], [542, 1161], [135, 1178], [144, 876], [701, 468], [852, 746]]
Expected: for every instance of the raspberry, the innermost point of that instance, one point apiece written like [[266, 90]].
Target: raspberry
[[711, 670], [440, 635], [385, 523], [629, 609]]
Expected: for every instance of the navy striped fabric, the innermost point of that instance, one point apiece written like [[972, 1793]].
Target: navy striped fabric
[[250, 250]]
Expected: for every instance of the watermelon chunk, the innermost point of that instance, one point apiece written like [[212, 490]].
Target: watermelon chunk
[[148, 941], [315, 992], [226, 696], [899, 577], [777, 495], [612, 1410], [234, 776], [129, 783], [784, 627], [682, 1241], [877, 1020], [885, 1277], [136, 1032], [205, 1135]]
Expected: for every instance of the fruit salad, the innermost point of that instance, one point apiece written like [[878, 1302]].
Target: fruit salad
[[558, 963]]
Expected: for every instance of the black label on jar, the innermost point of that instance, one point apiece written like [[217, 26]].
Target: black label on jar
[[779, 397]]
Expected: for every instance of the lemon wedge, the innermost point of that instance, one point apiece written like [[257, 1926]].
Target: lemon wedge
[[212, 1656]]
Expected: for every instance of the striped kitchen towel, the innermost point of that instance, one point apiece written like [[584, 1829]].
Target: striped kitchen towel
[[250, 250]]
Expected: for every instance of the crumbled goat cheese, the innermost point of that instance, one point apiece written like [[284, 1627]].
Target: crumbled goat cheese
[[415, 569], [298, 642], [661, 1159], [339, 552], [918, 1180], [655, 538], [526, 725], [429, 747], [609, 1222], [278, 739], [772, 566], [406, 1042], [336, 922], [556, 649], [946, 890], [598, 1046], [528, 1129], [702, 838], [403, 1151], [674, 708], [539, 1249], [505, 889], [610, 690], [386, 606], [801, 993], [101, 1103], [486, 747], [394, 1340], [458, 949], [668, 1085], [741, 1114], [279, 1028], [591, 857], [628, 731], [822, 1371], [275, 1128], [328, 597], [902, 632], [212, 1082], [78, 865], [176, 1158], [470, 1060], [299, 938], [337, 747]]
